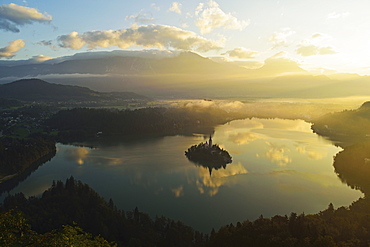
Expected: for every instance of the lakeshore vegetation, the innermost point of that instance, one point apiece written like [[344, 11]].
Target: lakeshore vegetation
[[73, 211]]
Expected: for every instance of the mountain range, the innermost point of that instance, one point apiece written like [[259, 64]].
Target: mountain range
[[185, 75]]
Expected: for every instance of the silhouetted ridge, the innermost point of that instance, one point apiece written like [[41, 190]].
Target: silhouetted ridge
[[347, 127], [365, 105], [74, 202], [39, 90]]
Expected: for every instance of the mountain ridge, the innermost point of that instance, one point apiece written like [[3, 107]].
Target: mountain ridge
[[40, 90]]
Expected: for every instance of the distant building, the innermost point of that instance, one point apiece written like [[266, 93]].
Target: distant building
[[210, 141]]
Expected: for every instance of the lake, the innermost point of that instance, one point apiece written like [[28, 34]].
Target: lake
[[279, 166]]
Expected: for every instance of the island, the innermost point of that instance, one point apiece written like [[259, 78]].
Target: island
[[208, 155]]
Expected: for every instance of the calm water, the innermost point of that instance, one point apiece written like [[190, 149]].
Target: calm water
[[279, 166]]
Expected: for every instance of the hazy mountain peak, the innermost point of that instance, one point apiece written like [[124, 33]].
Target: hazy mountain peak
[[276, 66]]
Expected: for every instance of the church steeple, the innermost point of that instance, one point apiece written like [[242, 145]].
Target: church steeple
[[210, 141]]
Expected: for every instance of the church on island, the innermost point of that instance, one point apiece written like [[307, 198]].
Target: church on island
[[208, 155], [207, 145]]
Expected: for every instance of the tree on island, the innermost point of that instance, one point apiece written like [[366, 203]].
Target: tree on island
[[208, 155]]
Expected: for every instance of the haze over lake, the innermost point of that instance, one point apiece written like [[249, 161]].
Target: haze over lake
[[279, 166]]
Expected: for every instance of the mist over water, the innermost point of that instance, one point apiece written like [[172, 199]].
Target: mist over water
[[285, 108], [279, 166]]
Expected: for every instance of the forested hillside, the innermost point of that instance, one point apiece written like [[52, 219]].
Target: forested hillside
[[82, 123], [348, 125], [76, 203]]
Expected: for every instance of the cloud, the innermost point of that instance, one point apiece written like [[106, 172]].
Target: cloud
[[176, 7], [280, 38], [241, 53], [212, 17], [10, 50], [317, 35], [40, 58], [48, 43], [141, 17], [314, 46], [311, 50], [335, 15], [12, 16], [154, 6], [147, 36], [276, 154]]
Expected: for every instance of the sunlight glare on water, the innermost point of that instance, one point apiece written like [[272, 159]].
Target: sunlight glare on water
[[279, 166]]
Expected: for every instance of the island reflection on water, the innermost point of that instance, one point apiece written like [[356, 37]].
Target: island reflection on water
[[279, 166]]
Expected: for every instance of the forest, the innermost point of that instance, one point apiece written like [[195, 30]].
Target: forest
[[345, 127], [16, 155], [79, 124], [30, 132], [74, 209]]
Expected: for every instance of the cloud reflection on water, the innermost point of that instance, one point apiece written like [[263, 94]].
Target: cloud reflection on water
[[82, 155], [277, 154], [178, 191], [312, 154], [77, 155], [210, 184], [241, 138]]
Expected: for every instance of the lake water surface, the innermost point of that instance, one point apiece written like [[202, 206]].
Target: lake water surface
[[279, 166]]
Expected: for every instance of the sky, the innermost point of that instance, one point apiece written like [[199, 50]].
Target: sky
[[322, 36]]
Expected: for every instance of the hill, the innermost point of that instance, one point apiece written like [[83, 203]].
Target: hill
[[42, 91], [346, 127]]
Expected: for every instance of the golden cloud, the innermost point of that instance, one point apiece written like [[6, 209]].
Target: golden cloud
[[176, 7], [280, 38], [41, 58], [147, 36], [311, 50], [13, 47], [241, 52], [212, 17]]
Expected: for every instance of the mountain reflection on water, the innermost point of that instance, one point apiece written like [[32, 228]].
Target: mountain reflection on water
[[279, 166]]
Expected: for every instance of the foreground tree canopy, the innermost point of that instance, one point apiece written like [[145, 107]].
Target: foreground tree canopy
[[72, 214]]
